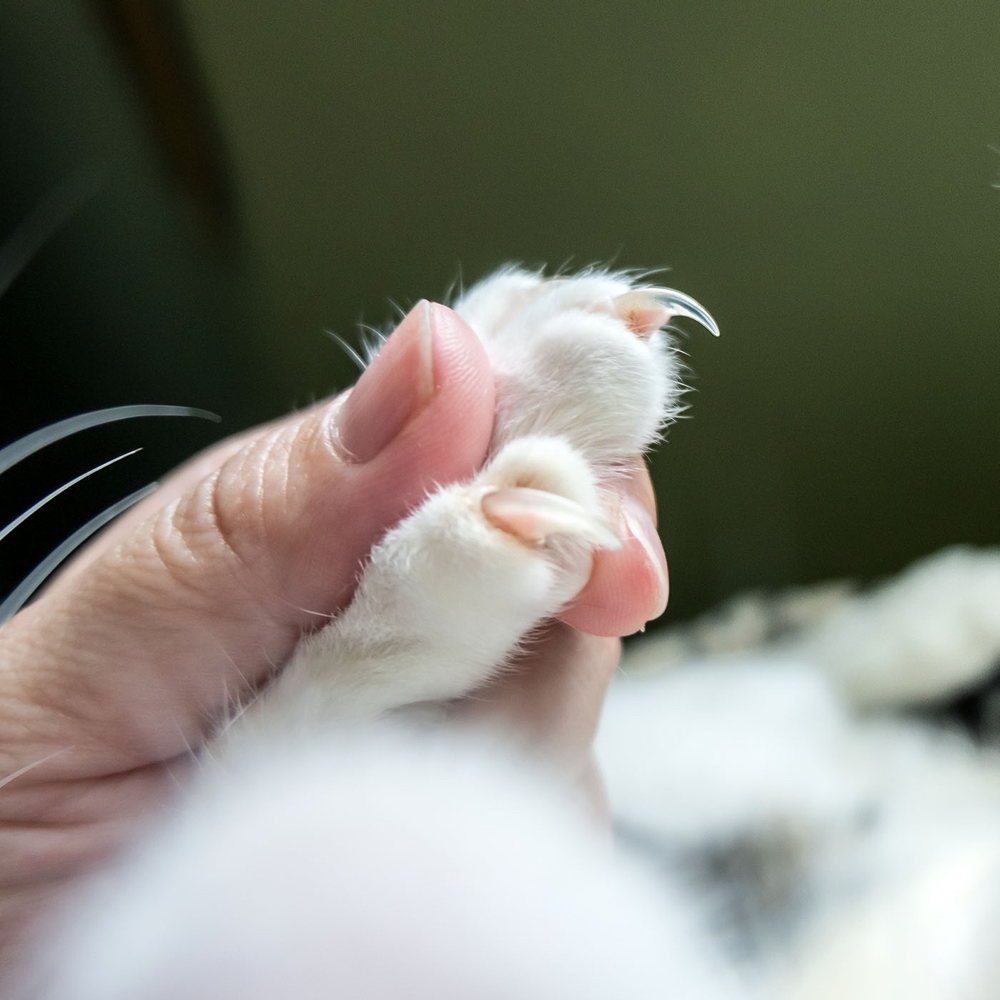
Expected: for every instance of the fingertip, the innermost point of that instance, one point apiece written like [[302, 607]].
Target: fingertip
[[638, 484], [466, 394], [217, 586], [459, 354], [641, 527], [627, 588]]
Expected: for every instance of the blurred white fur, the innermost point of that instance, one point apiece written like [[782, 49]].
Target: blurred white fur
[[389, 866], [851, 850]]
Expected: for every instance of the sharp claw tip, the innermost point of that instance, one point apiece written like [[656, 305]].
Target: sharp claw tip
[[680, 304]]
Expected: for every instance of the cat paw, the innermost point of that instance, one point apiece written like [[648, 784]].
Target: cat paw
[[540, 488], [480, 564], [449, 592], [584, 357]]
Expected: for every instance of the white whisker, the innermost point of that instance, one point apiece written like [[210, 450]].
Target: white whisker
[[348, 349], [23, 447], [41, 572], [20, 519], [32, 766]]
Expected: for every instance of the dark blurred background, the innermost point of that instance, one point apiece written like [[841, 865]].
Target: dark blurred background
[[224, 181]]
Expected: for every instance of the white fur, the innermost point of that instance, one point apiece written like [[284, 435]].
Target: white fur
[[387, 867], [566, 364], [876, 838], [927, 636]]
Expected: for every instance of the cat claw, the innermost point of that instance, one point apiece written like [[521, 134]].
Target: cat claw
[[646, 310], [533, 515]]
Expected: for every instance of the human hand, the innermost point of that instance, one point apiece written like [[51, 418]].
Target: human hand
[[133, 654]]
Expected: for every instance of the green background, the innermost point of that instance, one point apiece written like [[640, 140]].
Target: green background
[[819, 176]]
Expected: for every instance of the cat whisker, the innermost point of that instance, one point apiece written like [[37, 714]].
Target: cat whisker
[[30, 767], [309, 611], [14, 601], [347, 349], [21, 518], [20, 449]]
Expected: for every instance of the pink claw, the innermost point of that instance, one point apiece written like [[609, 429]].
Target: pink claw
[[533, 515], [646, 310]]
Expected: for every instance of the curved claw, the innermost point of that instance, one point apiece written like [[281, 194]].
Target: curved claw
[[532, 515], [679, 304]]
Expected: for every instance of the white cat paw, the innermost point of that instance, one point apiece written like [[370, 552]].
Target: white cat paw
[[584, 358]]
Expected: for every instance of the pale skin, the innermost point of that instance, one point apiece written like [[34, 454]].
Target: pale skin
[[133, 653]]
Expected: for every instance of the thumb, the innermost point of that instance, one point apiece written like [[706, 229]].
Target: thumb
[[142, 647]]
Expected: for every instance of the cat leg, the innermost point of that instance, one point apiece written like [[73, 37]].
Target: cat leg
[[448, 594]]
